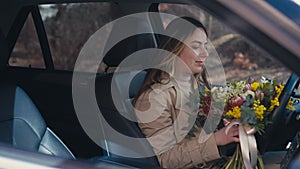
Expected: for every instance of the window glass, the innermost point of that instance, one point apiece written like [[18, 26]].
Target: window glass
[[240, 58], [69, 26], [27, 51]]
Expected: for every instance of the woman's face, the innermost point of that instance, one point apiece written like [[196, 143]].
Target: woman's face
[[195, 53]]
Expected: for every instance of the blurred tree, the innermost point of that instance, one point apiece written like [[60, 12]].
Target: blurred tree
[[27, 51], [70, 28]]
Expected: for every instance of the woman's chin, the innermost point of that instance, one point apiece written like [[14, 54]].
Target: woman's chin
[[197, 70]]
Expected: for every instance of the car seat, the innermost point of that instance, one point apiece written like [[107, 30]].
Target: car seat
[[22, 125], [119, 82]]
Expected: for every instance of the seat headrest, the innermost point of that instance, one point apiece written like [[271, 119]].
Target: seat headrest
[[127, 46]]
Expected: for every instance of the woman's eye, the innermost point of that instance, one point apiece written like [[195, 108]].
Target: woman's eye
[[194, 47]]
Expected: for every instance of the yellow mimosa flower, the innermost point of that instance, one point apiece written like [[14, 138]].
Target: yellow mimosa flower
[[259, 110], [235, 112], [254, 86], [290, 105]]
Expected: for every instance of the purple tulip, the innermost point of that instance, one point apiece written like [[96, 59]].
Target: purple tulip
[[251, 80], [259, 95], [248, 87], [236, 101]]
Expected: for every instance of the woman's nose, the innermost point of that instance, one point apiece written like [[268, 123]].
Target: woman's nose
[[203, 53]]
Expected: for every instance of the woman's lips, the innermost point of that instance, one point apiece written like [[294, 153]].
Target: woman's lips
[[199, 63]]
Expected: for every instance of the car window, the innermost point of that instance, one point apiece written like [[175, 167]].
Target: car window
[[240, 57], [27, 51], [68, 29]]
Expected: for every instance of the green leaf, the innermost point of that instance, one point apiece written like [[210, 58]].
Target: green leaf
[[260, 162], [249, 101], [248, 115]]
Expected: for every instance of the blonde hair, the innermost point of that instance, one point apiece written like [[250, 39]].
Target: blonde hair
[[175, 47]]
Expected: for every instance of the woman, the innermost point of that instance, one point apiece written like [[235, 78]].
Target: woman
[[162, 105]]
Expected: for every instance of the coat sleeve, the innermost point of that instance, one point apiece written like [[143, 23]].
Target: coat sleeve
[[171, 152]]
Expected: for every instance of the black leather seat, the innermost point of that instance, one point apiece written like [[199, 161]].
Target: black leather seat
[[111, 111], [117, 53], [22, 125], [119, 82]]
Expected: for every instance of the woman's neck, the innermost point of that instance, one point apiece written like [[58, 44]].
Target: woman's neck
[[183, 75], [184, 81]]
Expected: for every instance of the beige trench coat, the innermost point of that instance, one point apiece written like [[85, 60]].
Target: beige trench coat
[[160, 111]]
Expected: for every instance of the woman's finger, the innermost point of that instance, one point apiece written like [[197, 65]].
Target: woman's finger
[[235, 139], [233, 133]]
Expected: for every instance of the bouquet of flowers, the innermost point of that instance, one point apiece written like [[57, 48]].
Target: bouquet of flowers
[[247, 104]]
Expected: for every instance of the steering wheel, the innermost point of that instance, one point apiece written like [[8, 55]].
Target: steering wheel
[[277, 117]]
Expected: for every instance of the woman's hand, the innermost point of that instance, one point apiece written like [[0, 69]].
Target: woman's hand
[[232, 136]]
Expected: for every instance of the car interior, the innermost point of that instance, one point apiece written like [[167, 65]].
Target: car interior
[[23, 126], [105, 84], [37, 108], [25, 88]]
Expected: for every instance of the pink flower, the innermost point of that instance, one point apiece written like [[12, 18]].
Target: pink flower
[[206, 101], [259, 95], [235, 101], [248, 87]]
